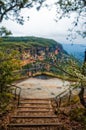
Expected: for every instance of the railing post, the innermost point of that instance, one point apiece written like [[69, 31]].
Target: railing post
[[69, 95], [60, 101], [19, 97], [15, 93]]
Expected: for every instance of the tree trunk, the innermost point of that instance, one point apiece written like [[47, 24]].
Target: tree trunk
[[81, 97]]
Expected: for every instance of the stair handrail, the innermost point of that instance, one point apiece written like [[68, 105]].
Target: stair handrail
[[15, 93], [64, 93]]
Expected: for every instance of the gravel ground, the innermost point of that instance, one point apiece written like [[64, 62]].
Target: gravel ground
[[40, 88]]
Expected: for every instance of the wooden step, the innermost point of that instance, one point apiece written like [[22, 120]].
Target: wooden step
[[35, 107], [34, 120], [27, 125], [45, 99], [36, 100], [35, 114], [34, 111], [41, 103], [47, 126], [53, 116], [32, 108], [34, 125]]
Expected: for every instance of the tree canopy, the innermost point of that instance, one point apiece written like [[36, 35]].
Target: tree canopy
[[4, 32], [13, 8], [67, 7]]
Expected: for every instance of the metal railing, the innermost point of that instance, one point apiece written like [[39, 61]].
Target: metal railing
[[16, 91], [66, 93]]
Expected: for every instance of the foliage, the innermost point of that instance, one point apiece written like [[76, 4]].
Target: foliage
[[77, 70], [13, 8], [76, 8], [8, 64], [79, 115], [5, 98], [4, 32]]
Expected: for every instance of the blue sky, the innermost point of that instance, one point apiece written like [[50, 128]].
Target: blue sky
[[42, 24]]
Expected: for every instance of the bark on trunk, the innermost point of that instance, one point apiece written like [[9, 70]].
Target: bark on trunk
[[81, 97]]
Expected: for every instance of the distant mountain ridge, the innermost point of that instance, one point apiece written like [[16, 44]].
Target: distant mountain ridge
[[77, 50], [30, 42]]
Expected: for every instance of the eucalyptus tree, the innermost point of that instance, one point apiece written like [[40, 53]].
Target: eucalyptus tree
[[13, 8], [4, 32], [8, 65], [77, 9], [9, 62]]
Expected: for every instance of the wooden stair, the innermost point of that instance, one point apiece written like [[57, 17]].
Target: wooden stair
[[34, 114]]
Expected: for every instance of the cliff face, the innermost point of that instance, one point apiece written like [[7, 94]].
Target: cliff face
[[30, 55], [32, 48]]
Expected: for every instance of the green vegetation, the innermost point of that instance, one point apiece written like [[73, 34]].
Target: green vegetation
[[8, 64], [4, 32], [28, 42], [79, 115]]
